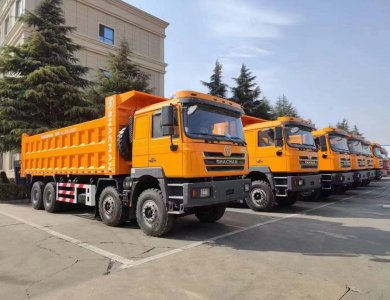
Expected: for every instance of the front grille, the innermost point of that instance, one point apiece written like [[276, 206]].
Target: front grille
[[217, 161], [308, 162], [345, 162], [370, 163], [361, 163]]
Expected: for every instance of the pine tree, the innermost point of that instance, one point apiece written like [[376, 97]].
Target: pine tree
[[283, 107], [343, 125], [356, 131], [216, 87], [42, 81], [248, 94], [122, 76]]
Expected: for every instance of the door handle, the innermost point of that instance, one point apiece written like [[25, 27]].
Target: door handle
[[259, 161], [152, 160]]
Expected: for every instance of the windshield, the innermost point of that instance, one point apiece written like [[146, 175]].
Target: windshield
[[355, 146], [338, 143], [377, 152], [366, 149], [299, 136], [212, 123]]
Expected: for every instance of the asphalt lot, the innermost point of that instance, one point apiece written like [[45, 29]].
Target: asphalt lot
[[338, 248]]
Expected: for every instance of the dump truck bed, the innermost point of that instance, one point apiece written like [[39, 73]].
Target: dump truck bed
[[88, 148]]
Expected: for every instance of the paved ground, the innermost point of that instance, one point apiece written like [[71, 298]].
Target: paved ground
[[338, 248]]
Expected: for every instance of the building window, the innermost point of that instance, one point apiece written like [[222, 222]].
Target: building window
[[18, 8], [266, 138], [6, 26], [106, 73], [106, 34]]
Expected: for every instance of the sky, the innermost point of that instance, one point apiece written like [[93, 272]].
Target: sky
[[330, 58]]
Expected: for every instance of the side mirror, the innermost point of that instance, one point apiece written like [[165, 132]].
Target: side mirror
[[167, 120], [323, 146], [279, 136]]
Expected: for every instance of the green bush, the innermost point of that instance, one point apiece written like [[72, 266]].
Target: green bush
[[13, 191]]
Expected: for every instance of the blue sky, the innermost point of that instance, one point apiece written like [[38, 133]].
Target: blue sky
[[330, 58]]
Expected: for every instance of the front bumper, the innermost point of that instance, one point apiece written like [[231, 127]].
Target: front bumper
[[298, 183], [336, 179], [360, 176], [371, 174], [222, 192]]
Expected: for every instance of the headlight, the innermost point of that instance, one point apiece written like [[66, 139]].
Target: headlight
[[247, 187], [342, 178], [201, 192], [301, 182]]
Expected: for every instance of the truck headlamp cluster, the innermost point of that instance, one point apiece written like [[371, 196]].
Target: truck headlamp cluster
[[301, 182], [201, 193], [247, 187]]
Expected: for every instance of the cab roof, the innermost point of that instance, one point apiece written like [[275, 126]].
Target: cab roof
[[328, 130], [256, 123]]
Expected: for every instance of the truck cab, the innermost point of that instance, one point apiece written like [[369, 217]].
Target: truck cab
[[149, 158], [359, 161], [369, 157], [334, 160], [378, 157], [283, 161]]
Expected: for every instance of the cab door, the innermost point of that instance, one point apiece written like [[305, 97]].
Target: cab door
[[161, 154], [267, 153]]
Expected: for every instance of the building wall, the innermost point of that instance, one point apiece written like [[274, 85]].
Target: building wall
[[144, 33]]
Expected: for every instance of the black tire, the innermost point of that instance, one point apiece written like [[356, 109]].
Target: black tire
[[287, 201], [152, 213], [210, 214], [37, 195], [49, 198], [111, 210], [326, 193], [124, 143], [311, 196], [261, 196]]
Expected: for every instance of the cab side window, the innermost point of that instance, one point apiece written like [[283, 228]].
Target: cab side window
[[317, 142], [157, 131], [266, 138]]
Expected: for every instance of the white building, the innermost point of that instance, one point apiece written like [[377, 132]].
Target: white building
[[101, 26]]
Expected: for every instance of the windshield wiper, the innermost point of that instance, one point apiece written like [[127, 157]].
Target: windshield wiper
[[213, 138], [237, 140]]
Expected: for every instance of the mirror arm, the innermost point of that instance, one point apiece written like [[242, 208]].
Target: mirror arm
[[173, 147]]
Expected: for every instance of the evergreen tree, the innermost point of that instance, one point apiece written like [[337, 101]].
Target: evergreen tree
[[122, 76], [343, 125], [283, 107], [41, 84], [216, 87], [356, 131], [248, 94]]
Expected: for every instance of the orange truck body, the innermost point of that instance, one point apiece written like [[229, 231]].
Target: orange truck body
[[378, 158], [193, 170]]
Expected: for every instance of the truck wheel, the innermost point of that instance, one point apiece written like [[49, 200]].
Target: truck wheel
[[112, 212], [49, 198], [326, 193], [37, 195], [210, 214], [309, 195], [152, 213], [261, 197], [287, 201]]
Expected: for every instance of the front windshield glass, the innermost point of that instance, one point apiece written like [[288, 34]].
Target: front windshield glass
[[338, 143], [299, 136], [377, 152], [355, 146], [213, 123], [366, 149]]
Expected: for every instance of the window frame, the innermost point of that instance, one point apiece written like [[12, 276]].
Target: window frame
[[158, 112], [6, 26], [103, 39], [18, 8], [258, 137]]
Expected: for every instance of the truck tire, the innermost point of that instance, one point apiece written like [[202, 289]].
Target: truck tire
[[326, 193], [124, 143], [112, 211], [309, 195], [261, 196], [37, 195], [210, 214], [287, 201], [152, 213], [49, 198]]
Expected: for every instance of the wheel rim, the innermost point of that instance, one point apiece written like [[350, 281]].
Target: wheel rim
[[258, 195], [150, 211], [108, 206], [35, 196], [48, 199]]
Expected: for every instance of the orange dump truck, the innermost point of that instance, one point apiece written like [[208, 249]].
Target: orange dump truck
[[149, 158]]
